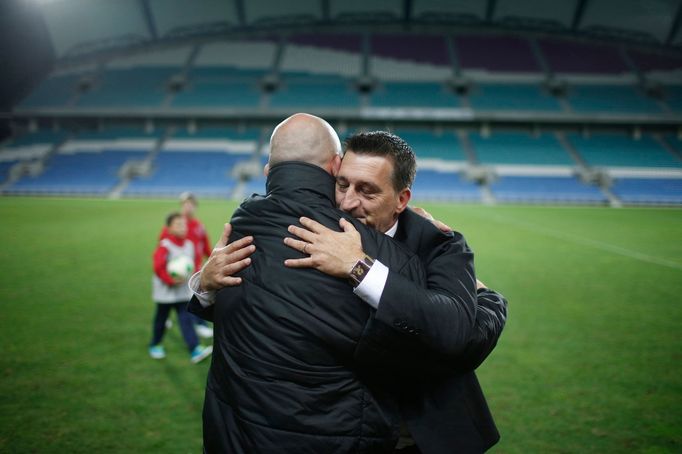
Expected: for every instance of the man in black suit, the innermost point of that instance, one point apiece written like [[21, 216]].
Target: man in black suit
[[373, 185], [445, 409]]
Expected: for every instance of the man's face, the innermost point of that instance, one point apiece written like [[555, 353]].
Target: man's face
[[365, 191]]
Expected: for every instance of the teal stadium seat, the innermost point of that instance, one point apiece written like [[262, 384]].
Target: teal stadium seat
[[137, 87], [619, 150], [512, 97], [520, 148], [614, 99], [313, 91], [414, 95], [428, 145]]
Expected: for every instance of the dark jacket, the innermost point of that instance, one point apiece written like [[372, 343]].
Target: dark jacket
[[282, 376], [431, 370]]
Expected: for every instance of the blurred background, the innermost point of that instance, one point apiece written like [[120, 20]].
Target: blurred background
[[548, 132], [575, 101]]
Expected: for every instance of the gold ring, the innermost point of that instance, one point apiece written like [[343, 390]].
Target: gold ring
[[305, 246]]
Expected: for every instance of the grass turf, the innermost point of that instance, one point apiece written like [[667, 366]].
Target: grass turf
[[589, 360]]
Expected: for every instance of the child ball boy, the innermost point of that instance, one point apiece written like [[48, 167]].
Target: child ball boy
[[172, 292]]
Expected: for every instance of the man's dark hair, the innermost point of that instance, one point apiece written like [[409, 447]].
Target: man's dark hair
[[171, 217], [382, 143]]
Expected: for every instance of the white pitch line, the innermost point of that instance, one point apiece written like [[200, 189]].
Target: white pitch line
[[589, 242]]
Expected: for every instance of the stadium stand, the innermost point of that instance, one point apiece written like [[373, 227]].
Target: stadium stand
[[135, 81], [201, 162], [615, 99], [414, 94], [538, 189], [519, 148], [87, 164], [55, 91], [496, 53], [444, 186], [666, 191], [512, 97], [571, 57], [428, 145], [466, 101], [300, 91], [619, 150]]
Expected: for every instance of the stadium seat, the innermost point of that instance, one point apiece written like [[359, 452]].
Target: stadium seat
[[619, 150], [536, 189], [434, 185], [519, 148], [648, 190], [512, 97], [414, 94]]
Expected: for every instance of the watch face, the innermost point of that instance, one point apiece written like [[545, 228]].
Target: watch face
[[359, 270]]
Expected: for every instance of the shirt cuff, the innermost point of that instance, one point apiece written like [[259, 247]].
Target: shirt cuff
[[372, 286], [206, 298]]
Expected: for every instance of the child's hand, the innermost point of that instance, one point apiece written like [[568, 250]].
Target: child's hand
[[179, 281]]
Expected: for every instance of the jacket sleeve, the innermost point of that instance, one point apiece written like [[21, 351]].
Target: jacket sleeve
[[195, 307], [491, 316], [160, 263], [442, 316]]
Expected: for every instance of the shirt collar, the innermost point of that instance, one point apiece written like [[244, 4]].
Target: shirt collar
[[391, 232]]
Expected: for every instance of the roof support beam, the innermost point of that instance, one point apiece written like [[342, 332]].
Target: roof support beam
[[490, 10], [578, 14], [149, 18], [326, 11], [675, 25], [407, 11], [241, 12]]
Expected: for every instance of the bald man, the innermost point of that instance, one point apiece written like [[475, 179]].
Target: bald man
[[282, 376]]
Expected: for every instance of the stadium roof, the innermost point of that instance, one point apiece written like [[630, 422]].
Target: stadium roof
[[84, 27]]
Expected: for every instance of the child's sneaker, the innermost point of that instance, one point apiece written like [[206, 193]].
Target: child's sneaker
[[157, 352], [199, 353], [204, 331]]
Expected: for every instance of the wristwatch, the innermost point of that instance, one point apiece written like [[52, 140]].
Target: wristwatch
[[360, 270]]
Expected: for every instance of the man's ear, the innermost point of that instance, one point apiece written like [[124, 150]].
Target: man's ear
[[404, 197], [266, 169], [335, 165]]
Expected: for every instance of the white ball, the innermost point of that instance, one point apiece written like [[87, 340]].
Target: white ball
[[180, 267]]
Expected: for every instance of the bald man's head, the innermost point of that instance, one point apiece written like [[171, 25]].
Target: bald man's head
[[307, 138]]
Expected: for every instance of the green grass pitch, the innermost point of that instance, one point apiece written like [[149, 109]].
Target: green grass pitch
[[590, 360]]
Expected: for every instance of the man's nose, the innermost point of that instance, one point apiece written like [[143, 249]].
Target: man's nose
[[350, 201]]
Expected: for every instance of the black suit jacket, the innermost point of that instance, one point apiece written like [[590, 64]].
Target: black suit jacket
[[429, 341], [282, 376]]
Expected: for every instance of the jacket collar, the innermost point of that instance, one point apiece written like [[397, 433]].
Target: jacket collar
[[301, 179]]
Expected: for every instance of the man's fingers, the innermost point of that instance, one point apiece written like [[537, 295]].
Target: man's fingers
[[298, 245], [306, 262], [303, 234], [347, 226], [222, 242], [311, 225], [239, 244], [423, 213], [230, 281], [235, 267], [241, 253], [442, 226]]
